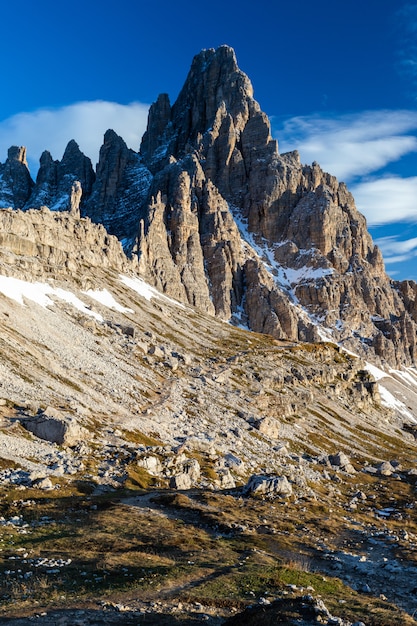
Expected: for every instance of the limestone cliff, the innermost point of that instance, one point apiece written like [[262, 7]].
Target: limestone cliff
[[42, 244], [312, 261], [15, 180], [216, 217]]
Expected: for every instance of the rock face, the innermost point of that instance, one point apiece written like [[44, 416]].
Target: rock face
[[15, 180], [60, 185], [44, 243], [218, 219], [55, 426], [215, 167], [268, 486], [120, 189]]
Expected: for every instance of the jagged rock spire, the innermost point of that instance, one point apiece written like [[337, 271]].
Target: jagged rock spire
[[119, 191], [61, 185], [15, 179]]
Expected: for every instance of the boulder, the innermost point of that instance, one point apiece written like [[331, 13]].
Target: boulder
[[43, 483], [56, 426], [342, 461], [268, 486], [225, 479], [386, 469], [152, 464], [268, 426], [181, 481], [188, 472]]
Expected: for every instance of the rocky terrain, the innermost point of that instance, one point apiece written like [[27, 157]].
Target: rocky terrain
[[207, 383]]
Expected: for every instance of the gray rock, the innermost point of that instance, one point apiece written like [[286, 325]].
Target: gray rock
[[342, 461], [152, 464], [268, 426], [386, 469], [225, 479], [43, 483], [268, 485], [181, 481], [55, 426], [63, 185], [15, 181]]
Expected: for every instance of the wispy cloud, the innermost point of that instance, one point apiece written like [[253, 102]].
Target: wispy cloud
[[396, 251], [387, 200], [351, 145], [86, 122], [354, 146]]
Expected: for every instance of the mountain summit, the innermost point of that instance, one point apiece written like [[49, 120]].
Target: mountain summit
[[220, 220]]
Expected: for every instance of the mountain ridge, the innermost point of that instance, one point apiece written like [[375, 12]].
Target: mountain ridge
[[159, 462], [218, 219]]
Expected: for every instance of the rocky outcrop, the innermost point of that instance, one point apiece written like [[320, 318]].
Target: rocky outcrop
[[15, 180], [61, 185], [271, 486], [44, 243], [120, 190], [310, 257], [218, 219], [57, 427]]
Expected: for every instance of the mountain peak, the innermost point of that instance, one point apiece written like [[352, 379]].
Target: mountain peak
[[17, 153]]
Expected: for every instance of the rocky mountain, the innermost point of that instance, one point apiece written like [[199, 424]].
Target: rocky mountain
[[158, 464], [219, 219]]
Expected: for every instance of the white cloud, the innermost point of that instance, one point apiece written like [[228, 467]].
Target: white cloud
[[86, 122], [351, 145], [387, 200], [396, 251]]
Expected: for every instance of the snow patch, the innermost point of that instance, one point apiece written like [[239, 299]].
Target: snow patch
[[18, 290], [375, 371], [409, 376], [146, 291], [105, 297], [388, 400]]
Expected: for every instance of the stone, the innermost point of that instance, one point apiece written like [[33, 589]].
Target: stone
[[342, 461], [268, 426], [187, 472], [43, 483], [268, 486], [386, 469], [62, 185], [225, 479], [55, 426], [152, 464], [180, 481]]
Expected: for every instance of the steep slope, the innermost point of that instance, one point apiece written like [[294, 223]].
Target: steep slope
[[69, 296], [169, 413]]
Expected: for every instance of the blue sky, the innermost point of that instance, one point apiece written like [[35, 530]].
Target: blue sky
[[338, 79]]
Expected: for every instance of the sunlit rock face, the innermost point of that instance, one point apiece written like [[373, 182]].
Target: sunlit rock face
[[215, 217]]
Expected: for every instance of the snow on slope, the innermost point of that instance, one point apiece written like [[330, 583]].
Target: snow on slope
[[20, 290], [42, 293], [146, 291], [105, 297]]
